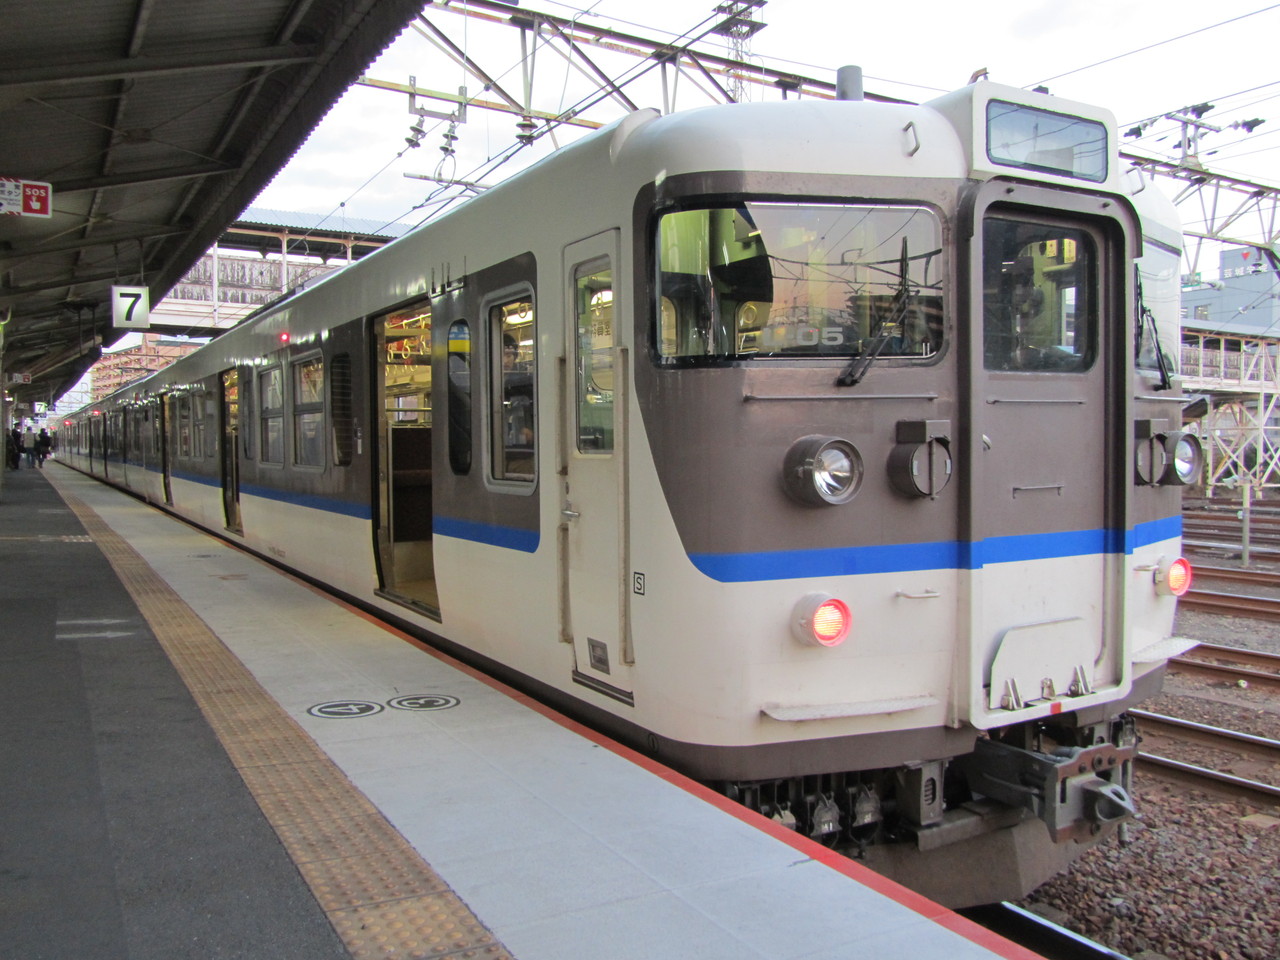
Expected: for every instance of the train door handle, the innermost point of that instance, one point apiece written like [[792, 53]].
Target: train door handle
[[570, 514]]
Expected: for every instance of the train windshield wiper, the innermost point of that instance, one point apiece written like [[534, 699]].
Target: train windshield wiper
[[859, 365], [1147, 319]]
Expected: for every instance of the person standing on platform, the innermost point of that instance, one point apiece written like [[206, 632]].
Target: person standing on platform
[[13, 449], [43, 445], [29, 446]]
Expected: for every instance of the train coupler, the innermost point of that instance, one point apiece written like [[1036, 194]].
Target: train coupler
[[1077, 791]]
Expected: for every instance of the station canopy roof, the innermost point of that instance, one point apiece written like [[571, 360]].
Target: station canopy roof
[[155, 123]]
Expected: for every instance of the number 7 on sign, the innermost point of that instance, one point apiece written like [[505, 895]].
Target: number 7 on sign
[[131, 308]]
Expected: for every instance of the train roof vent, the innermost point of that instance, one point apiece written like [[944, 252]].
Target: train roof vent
[[849, 83]]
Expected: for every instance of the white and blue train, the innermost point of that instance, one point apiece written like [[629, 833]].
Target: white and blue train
[[828, 451]]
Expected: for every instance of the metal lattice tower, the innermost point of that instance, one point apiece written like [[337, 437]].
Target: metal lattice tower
[[739, 28]]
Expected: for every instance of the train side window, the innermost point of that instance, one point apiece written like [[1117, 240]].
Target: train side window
[[1157, 319], [308, 412], [340, 398], [184, 427], [593, 309], [137, 433], [246, 415], [271, 416], [197, 426], [513, 420], [459, 365], [1040, 298]]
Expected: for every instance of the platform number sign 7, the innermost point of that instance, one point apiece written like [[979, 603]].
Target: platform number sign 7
[[131, 308]]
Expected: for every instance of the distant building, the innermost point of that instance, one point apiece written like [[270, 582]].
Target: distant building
[[116, 370], [263, 255], [1244, 300]]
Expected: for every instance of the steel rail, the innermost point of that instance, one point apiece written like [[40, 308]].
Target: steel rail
[[1195, 546], [1262, 748], [1043, 937], [1220, 671], [1269, 578], [1191, 774], [1231, 604], [1261, 532], [1253, 658], [1256, 535], [1267, 519]]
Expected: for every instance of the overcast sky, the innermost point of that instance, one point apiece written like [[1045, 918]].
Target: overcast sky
[[1140, 58]]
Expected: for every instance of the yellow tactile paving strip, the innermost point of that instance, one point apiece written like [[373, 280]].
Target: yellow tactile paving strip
[[383, 899]]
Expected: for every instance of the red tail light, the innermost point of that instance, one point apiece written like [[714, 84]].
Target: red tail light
[[822, 620], [1177, 577]]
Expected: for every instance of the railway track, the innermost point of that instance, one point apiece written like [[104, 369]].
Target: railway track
[[1221, 530], [1254, 752], [1045, 938], [1233, 604], [1241, 750], [1250, 666], [1250, 577]]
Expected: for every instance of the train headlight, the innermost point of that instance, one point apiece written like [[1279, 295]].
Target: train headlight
[[822, 470], [822, 620], [1184, 457], [1173, 579]]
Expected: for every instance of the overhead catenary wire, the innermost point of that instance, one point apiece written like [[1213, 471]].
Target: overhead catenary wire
[[1152, 46], [686, 39], [580, 106], [1220, 103], [473, 175]]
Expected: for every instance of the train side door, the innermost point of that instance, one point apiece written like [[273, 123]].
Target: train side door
[[1047, 448], [593, 533], [231, 449], [98, 442], [165, 418], [402, 361]]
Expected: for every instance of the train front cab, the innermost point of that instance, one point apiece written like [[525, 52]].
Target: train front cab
[[969, 496]]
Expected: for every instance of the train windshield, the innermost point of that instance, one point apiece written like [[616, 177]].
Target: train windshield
[[800, 280]]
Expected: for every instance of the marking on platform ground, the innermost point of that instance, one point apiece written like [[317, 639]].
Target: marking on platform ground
[[382, 898], [344, 709], [424, 701]]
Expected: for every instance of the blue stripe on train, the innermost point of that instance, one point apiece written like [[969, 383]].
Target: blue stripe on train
[[348, 508], [786, 564], [489, 533], [939, 555]]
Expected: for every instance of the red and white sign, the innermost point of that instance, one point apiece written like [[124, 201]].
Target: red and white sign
[[25, 198]]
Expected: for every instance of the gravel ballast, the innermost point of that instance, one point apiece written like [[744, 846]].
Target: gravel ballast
[[1199, 878]]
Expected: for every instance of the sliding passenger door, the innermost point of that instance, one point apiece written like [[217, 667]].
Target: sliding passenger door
[[406, 559], [230, 447], [163, 421], [593, 531]]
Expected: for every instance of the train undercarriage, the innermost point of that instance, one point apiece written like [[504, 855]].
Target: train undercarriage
[[991, 825]]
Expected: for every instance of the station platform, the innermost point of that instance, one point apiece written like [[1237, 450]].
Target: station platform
[[206, 757]]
